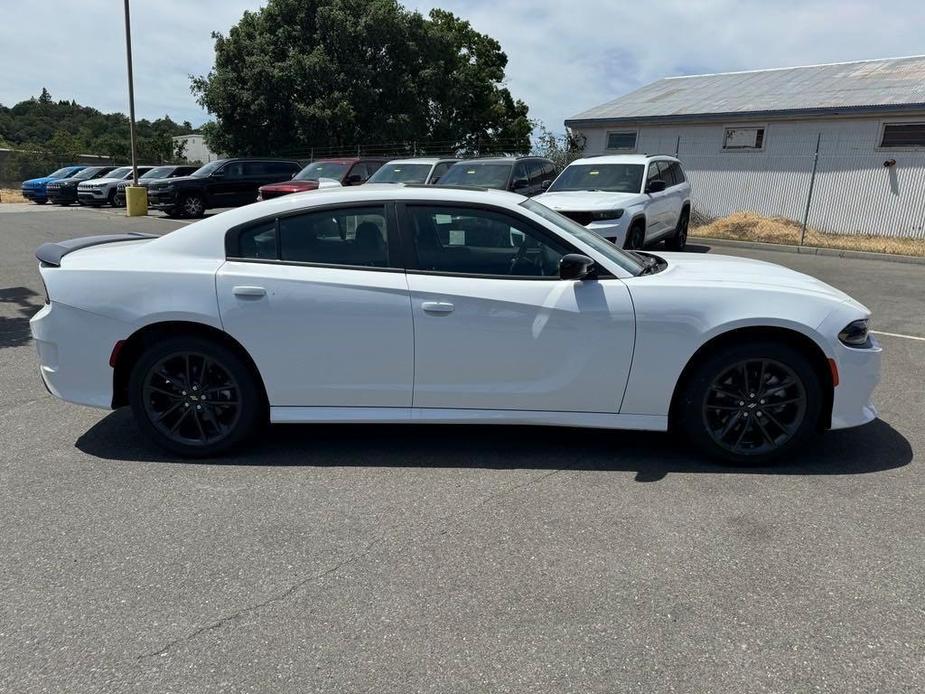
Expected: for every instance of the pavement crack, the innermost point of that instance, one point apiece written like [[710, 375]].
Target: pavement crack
[[279, 597]]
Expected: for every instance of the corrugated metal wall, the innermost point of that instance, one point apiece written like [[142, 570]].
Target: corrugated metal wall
[[853, 192]]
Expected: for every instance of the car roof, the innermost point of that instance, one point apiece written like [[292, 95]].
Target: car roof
[[421, 160], [624, 159], [500, 160]]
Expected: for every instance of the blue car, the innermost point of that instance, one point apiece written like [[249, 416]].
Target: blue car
[[35, 189]]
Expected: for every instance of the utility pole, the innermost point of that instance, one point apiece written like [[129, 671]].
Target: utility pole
[[131, 93]]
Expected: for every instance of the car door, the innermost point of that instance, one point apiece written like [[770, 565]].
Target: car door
[[225, 185], [319, 301], [495, 328], [657, 205], [674, 194]]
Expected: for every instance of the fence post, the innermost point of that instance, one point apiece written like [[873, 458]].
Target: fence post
[[677, 146], [812, 182]]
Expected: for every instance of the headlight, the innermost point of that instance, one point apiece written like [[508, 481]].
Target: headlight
[[601, 215], [856, 333]]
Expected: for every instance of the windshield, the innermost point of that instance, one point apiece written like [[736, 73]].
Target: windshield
[[401, 173], [121, 172], [484, 175], [611, 178], [60, 173], [91, 172], [158, 172], [602, 246], [322, 169], [208, 168]]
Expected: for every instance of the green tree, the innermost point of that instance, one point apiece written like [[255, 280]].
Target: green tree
[[561, 149], [64, 146], [298, 74]]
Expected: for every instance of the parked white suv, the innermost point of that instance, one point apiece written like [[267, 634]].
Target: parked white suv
[[631, 200], [98, 191]]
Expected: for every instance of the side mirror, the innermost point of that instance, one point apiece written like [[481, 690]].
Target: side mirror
[[520, 184], [656, 186], [546, 183], [576, 266], [353, 180]]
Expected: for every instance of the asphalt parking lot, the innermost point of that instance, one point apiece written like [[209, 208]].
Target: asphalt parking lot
[[441, 559]]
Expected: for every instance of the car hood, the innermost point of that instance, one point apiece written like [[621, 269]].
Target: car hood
[[588, 200], [100, 180], [701, 269], [38, 182]]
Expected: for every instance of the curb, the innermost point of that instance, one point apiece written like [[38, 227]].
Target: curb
[[810, 250]]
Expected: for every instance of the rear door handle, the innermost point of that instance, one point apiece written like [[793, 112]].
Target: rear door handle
[[438, 306], [249, 291]]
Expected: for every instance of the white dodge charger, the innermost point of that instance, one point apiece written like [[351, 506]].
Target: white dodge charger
[[428, 304]]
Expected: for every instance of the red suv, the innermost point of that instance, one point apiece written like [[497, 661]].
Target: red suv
[[336, 172]]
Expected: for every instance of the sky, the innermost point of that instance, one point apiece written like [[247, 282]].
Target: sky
[[563, 57]]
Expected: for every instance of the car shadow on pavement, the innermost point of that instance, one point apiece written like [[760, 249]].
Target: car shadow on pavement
[[872, 448], [14, 330]]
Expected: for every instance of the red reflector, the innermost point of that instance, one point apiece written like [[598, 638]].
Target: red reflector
[[833, 367], [116, 348]]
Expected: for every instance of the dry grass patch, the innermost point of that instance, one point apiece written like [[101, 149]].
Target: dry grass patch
[[11, 195], [748, 226]]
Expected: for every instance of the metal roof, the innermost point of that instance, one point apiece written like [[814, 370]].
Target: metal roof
[[891, 84]]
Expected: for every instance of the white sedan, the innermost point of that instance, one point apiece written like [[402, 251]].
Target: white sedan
[[427, 304]]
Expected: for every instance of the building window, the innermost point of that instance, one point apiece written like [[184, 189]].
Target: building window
[[743, 138], [903, 135], [625, 140]]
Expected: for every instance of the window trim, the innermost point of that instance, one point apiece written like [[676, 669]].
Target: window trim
[[395, 255], [904, 148], [634, 148], [412, 265], [744, 126]]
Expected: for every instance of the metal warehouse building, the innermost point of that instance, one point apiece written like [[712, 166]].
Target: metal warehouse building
[[841, 146]]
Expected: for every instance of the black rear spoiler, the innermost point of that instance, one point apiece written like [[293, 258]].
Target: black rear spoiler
[[51, 253]]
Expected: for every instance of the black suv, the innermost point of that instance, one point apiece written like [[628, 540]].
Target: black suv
[[524, 175], [155, 174], [221, 183], [64, 191]]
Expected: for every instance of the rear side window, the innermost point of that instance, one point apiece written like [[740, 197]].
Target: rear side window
[[281, 167], [355, 236], [536, 172]]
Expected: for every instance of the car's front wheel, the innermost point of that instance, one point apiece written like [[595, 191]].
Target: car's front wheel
[[635, 237], [40, 201], [193, 206], [195, 397], [752, 403]]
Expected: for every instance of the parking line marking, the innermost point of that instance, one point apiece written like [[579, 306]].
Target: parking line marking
[[908, 337]]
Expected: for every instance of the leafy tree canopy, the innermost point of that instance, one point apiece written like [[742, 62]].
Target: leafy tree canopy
[[302, 74], [65, 129]]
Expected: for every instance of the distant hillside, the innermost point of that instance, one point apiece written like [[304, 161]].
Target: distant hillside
[[65, 129]]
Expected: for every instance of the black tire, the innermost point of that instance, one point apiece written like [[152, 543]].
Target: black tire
[[40, 202], [111, 198], [193, 206], [678, 241], [635, 237], [762, 416], [195, 397]]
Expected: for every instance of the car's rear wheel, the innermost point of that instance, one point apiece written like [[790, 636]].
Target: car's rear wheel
[[678, 241], [635, 237], [40, 202], [195, 397], [192, 206], [752, 403]]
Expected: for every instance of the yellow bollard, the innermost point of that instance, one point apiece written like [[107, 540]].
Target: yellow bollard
[[136, 201]]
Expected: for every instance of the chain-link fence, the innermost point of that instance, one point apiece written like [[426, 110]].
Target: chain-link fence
[[831, 181]]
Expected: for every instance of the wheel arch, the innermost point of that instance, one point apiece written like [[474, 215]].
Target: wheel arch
[[800, 341], [134, 346]]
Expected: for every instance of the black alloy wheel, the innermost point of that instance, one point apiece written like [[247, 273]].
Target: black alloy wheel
[[635, 238], [754, 407], [195, 397], [751, 402]]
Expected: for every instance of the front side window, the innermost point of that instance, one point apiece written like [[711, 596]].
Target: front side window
[[485, 175], [480, 242], [610, 178], [624, 140], [234, 170], [208, 169], [354, 236]]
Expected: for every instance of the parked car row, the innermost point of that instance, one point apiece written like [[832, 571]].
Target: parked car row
[[630, 200]]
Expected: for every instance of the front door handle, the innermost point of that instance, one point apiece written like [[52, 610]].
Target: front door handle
[[437, 306], [249, 291]]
